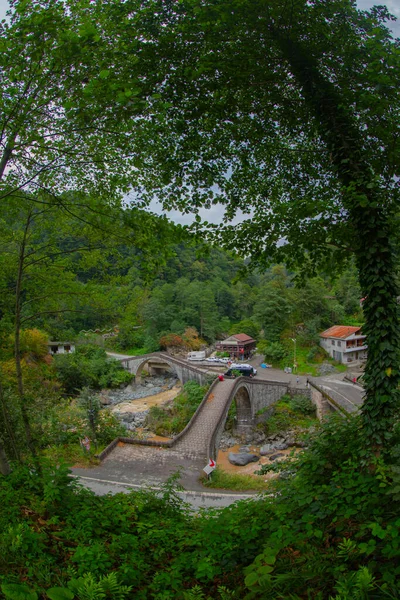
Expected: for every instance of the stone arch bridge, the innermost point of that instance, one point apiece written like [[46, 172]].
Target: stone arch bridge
[[158, 361], [201, 436]]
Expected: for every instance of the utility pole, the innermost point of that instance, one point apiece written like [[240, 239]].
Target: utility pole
[[294, 354]]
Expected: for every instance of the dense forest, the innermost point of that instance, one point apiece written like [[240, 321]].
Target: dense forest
[[88, 284]]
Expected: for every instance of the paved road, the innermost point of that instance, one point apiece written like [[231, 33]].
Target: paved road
[[131, 467], [347, 394], [196, 499], [118, 356]]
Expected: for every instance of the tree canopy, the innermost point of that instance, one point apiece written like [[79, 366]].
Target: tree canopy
[[289, 111]]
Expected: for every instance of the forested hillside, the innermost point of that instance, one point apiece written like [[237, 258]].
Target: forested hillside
[[89, 281]]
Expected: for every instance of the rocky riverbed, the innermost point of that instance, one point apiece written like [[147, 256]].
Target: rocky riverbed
[[267, 449], [131, 404]]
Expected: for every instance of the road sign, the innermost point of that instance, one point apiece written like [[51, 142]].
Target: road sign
[[210, 467]]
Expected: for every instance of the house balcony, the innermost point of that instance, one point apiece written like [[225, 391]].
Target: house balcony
[[355, 348]]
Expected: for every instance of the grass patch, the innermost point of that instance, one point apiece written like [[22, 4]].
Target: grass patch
[[136, 351], [290, 413], [73, 454], [309, 360], [222, 480], [170, 420]]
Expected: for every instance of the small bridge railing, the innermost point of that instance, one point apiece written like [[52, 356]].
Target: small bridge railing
[[167, 358], [331, 401]]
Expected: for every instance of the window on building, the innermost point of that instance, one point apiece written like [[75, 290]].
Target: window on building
[[333, 342], [339, 343]]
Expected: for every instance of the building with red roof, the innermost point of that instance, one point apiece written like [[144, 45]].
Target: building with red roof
[[238, 345], [344, 343]]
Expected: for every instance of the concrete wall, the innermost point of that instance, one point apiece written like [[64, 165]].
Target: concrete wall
[[321, 403]]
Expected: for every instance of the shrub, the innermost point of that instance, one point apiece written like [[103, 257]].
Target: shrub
[[289, 413], [172, 340], [329, 531], [274, 352], [172, 419], [90, 367], [313, 353], [302, 404]]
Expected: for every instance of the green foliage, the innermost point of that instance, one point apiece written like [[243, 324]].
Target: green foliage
[[15, 591], [172, 419], [68, 422], [314, 353], [291, 413], [223, 480], [247, 326], [90, 367], [273, 351], [331, 529], [302, 404], [235, 373]]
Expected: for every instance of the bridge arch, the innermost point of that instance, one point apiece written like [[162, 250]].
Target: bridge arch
[[250, 396], [244, 417], [184, 371], [158, 363]]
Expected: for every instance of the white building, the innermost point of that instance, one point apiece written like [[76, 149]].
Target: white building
[[344, 343], [61, 347]]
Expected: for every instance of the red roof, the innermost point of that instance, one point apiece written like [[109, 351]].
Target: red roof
[[242, 337], [339, 331]]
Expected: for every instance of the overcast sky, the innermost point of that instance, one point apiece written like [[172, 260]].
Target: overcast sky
[[214, 214]]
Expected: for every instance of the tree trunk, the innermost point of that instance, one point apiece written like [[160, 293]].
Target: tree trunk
[[13, 448], [372, 227], [5, 468], [17, 348]]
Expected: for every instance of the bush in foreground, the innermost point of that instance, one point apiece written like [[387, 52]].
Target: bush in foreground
[[330, 531]]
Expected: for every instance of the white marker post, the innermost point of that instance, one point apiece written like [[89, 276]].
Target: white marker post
[[208, 469]]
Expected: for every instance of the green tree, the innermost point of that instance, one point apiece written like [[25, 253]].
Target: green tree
[[290, 110], [57, 131], [247, 326], [271, 311]]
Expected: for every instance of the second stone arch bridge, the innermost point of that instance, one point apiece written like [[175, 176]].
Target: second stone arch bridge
[[202, 435]]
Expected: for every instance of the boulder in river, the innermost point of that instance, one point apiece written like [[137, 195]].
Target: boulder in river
[[275, 456], [240, 459]]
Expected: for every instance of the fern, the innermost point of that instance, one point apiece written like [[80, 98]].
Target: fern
[[87, 588], [348, 549], [355, 586], [195, 593]]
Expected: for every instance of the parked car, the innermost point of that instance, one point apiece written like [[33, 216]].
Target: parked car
[[246, 370]]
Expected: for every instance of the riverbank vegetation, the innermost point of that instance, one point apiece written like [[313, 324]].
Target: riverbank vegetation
[[329, 531], [289, 413], [171, 419]]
